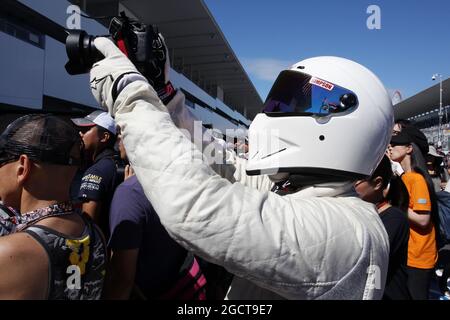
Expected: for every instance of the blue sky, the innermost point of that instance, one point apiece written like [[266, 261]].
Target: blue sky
[[267, 36]]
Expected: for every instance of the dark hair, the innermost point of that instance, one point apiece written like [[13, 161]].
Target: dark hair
[[43, 138], [403, 122], [112, 137], [398, 195], [419, 166]]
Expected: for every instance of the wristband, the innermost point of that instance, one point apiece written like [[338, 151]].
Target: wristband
[[166, 93]]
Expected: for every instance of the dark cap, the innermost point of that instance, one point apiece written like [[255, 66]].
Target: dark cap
[[418, 137], [401, 139], [411, 134], [43, 138]]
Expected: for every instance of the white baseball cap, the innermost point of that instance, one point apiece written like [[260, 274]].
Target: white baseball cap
[[100, 118], [432, 152]]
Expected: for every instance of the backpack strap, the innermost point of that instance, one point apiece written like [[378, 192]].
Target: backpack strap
[[192, 283]]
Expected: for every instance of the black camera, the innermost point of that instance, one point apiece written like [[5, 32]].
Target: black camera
[[132, 38]]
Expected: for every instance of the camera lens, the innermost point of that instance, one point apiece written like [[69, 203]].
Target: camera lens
[[81, 51]]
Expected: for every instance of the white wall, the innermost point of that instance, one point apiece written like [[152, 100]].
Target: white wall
[[203, 114], [56, 10], [37, 72], [22, 72], [58, 83], [181, 81]]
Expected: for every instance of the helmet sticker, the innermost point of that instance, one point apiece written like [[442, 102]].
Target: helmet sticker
[[321, 83]]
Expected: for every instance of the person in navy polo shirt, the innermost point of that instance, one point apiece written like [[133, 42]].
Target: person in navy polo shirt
[[98, 182], [146, 262]]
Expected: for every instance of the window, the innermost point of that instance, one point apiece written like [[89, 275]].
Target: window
[[21, 31]]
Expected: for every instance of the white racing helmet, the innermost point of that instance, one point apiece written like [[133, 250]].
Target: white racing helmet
[[325, 116]]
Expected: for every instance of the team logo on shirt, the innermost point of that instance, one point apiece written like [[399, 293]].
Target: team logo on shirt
[[422, 201], [79, 255], [92, 178], [91, 182]]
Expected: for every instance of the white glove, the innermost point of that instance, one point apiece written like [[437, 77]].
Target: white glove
[[106, 75], [397, 168]]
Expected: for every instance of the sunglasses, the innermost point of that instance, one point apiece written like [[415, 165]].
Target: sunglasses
[[399, 144]]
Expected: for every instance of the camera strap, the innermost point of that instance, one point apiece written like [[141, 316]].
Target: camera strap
[[122, 46]]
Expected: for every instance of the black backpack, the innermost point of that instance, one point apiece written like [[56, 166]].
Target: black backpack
[[443, 200]]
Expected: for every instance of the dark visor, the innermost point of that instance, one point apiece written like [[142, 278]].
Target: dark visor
[[297, 93]]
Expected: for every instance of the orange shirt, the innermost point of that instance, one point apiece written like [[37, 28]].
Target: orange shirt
[[422, 252]]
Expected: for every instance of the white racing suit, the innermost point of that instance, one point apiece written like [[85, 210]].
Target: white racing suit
[[319, 243]]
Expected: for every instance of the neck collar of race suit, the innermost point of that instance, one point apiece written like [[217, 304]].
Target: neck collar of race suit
[[323, 189], [300, 181]]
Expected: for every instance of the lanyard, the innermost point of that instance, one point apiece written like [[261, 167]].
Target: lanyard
[[55, 210]]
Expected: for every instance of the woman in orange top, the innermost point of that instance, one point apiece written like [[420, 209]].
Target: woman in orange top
[[422, 212]]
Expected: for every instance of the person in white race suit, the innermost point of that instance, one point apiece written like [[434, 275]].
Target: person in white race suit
[[318, 241]]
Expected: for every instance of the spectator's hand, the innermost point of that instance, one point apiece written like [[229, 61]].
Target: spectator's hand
[[129, 172], [106, 73]]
